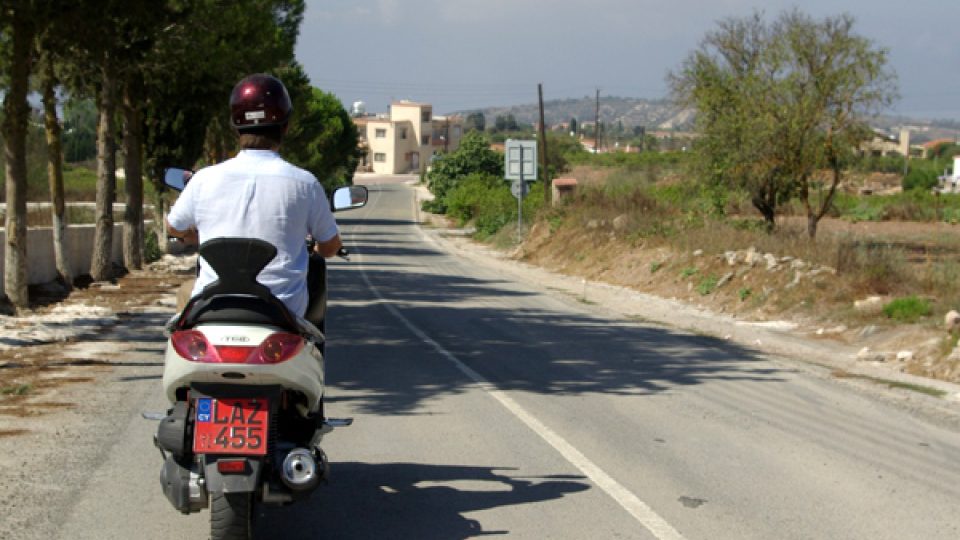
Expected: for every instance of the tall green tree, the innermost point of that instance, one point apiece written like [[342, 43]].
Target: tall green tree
[[777, 102], [195, 61]]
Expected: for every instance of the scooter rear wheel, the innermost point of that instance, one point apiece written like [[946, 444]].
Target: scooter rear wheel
[[230, 516]]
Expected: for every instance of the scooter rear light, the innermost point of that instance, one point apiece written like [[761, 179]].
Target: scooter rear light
[[231, 466], [232, 354], [278, 347], [193, 346]]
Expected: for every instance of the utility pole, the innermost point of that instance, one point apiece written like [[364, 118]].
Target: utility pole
[[543, 151], [596, 126]]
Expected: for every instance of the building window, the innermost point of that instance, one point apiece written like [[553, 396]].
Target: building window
[[426, 115], [403, 133], [381, 133], [380, 157], [426, 140], [456, 132]]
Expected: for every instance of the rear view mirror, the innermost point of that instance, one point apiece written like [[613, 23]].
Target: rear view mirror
[[349, 197], [176, 179]]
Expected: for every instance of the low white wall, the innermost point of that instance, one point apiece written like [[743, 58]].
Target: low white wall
[[41, 264]]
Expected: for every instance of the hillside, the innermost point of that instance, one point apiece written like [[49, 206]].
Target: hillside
[[662, 114], [652, 114]]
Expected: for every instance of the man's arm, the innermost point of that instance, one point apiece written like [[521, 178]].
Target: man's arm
[[328, 248], [188, 236]]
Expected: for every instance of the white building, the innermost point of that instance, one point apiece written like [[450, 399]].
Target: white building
[[404, 140]]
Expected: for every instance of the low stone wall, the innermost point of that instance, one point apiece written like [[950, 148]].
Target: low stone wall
[[41, 264]]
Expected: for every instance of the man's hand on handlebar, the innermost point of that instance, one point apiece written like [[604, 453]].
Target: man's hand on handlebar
[[328, 248]]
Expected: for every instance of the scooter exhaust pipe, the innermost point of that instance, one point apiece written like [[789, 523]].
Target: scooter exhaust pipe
[[300, 471]]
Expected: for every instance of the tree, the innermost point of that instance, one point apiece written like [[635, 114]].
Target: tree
[[573, 126], [79, 129], [195, 61], [473, 156], [475, 121], [322, 137], [778, 102], [18, 22], [505, 122], [54, 130]]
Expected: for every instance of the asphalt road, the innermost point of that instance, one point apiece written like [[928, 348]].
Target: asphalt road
[[490, 407]]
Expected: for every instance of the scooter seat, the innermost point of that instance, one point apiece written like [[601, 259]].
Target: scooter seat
[[237, 309]]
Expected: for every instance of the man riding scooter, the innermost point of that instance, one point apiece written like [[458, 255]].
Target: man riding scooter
[[258, 194]]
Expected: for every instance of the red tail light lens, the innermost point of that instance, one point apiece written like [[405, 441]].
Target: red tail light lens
[[278, 347], [193, 346], [232, 354]]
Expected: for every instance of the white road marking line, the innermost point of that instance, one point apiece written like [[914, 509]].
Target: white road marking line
[[624, 497]]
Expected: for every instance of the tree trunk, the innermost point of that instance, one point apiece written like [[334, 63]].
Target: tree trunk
[[767, 210], [16, 114], [812, 222], [55, 172], [100, 265], [133, 169]]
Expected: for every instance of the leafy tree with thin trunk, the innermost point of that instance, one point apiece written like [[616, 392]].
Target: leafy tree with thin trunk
[[779, 103]]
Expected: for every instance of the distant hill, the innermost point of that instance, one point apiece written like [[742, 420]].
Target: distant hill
[[661, 114], [652, 114]]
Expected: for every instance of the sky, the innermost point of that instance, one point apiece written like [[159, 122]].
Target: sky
[[466, 54]]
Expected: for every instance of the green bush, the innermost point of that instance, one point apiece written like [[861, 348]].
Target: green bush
[[486, 201], [923, 178], [473, 156], [151, 248], [470, 195], [908, 309]]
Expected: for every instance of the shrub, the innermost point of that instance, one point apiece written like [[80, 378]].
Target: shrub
[[473, 156], [486, 201], [923, 177], [151, 248], [707, 285], [908, 309]]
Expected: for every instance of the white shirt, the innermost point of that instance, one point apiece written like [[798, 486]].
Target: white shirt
[[259, 195]]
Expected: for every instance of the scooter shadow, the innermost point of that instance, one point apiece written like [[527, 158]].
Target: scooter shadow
[[407, 500]]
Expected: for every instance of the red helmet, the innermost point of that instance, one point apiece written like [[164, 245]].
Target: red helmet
[[259, 101]]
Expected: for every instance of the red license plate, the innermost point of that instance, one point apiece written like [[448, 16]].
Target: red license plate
[[231, 426]]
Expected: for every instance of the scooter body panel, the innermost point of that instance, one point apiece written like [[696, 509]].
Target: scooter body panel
[[304, 372]]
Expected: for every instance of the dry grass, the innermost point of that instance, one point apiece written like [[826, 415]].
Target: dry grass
[[666, 238]]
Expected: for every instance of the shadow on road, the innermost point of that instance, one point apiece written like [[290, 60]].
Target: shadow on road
[[408, 500], [500, 330]]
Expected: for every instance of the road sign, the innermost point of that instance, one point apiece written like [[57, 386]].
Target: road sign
[[520, 160], [519, 189]]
